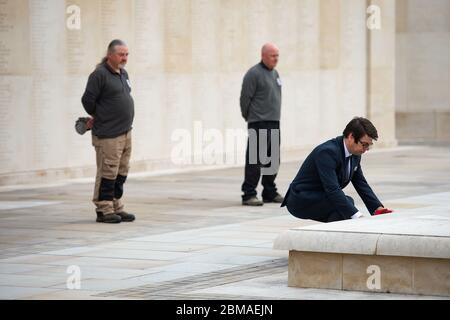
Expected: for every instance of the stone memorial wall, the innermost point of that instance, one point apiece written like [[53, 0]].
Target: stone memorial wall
[[186, 64], [423, 71]]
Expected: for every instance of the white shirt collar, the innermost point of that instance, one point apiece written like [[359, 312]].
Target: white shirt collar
[[347, 153]]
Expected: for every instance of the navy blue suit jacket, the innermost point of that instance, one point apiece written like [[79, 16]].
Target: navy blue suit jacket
[[322, 177]]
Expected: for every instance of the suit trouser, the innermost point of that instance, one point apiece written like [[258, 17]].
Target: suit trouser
[[253, 170], [113, 158], [322, 211]]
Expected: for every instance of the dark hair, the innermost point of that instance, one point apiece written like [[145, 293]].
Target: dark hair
[[359, 127], [111, 48]]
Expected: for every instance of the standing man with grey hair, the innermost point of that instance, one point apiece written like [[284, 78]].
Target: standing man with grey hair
[[108, 100], [261, 108]]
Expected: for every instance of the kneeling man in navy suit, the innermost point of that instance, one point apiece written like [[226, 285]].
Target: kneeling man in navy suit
[[316, 192]]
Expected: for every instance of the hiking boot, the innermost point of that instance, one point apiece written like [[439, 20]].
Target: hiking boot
[[278, 199], [253, 201], [126, 217], [108, 218]]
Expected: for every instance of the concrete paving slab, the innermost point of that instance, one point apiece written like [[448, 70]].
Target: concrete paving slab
[[137, 264], [16, 292], [34, 281], [55, 294], [233, 258], [89, 272], [11, 205], [103, 285], [155, 246], [193, 267], [17, 268], [273, 287], [134, 254]]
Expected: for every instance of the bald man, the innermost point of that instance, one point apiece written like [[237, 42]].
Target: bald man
[[261, 107]]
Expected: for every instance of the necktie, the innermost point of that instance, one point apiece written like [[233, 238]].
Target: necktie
[[347, 167]]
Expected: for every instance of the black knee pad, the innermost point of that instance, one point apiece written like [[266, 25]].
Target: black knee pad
[[106, 192], [118, 189]]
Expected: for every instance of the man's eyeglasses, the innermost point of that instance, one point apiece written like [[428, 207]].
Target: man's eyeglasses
[[366, 145]]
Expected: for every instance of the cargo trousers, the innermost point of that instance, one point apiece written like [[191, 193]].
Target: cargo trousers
[[113, 163]]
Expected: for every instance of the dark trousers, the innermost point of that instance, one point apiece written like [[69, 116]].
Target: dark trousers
[[322, 211], [253, 170]]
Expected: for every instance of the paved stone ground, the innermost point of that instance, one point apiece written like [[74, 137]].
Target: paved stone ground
[[192, 239]]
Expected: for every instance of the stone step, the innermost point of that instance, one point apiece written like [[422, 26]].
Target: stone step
[[389, 253]]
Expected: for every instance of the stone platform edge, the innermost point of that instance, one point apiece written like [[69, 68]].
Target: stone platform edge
[[361, 243]]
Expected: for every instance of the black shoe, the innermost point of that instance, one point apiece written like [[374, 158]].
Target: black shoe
[[253, 201], [126, 217], [278, 199], [108, 218]]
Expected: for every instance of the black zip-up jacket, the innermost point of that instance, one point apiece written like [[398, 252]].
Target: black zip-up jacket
[[107, 98]]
